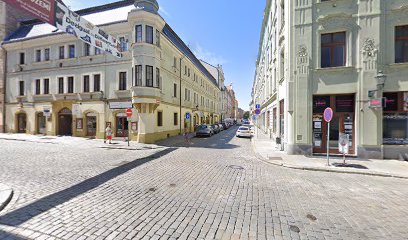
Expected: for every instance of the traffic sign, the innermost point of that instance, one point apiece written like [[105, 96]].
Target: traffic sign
[[129, 112], [187, 115], [328, 114], [258, 106], [257, 111]]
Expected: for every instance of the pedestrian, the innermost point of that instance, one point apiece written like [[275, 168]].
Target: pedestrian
[[186, 136], [108, 132]]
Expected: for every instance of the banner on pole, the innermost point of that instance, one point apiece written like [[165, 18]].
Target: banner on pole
[[60, 16]]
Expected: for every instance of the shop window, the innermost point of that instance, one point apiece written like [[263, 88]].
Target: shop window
[[333, 49], [46, 86], [345, 103], [38, 87], [395, 119], [149, 34], [122, 81], [320, 103], [70, 84], [139, 33], [97, 83], [86, 83], [149, 76], [60, 85], [138, 75], [159, 119], [401, 44]]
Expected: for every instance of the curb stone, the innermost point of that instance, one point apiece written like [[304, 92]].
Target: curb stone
[[6, 193], [319, 169]]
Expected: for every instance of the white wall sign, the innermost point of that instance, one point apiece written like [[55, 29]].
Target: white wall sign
[[76, 110], [120, 105], [344, 143]]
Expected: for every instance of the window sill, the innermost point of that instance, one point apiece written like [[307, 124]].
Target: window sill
[[398, 65], [334, 69]]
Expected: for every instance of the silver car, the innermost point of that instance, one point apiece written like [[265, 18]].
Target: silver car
[[243, 132]]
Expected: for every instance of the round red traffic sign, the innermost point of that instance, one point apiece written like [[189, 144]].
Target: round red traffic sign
[[129, 112], [328, 114]]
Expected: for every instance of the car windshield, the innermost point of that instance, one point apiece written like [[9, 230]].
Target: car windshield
[[202, 127], [243, 128]]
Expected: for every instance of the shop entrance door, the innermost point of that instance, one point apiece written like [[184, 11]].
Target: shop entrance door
[[41, 121], [121, 126], [90, 125], [21, 123], [65, 122]]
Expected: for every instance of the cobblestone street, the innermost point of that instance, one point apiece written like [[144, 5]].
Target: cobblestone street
[[214, 188]]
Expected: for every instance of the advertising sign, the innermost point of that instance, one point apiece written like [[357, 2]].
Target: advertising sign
[[344, 143], [44, 10], [58, 15], [120, 105]]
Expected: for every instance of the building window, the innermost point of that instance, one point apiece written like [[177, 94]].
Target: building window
[[22, 58], [38, 87], [98, 51], [138, 33], [158, 77], [401, 44], [159, 119], [175, 90], [175, 62], [60, 85], [138, 75], [61, 52], [122, 81], [86, 83], [395, 119], [97, 83], [185, 70], [188, 72], [149, 34], [46, 86], [47, 54], [71, 51], [70, 84], [175, 119], [333, 46], [38, 55], [149, 76], [123, 44], [21, 88], [158, 38], [87, 49]]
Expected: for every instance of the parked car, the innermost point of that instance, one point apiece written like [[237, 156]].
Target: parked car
[[225, 125], [204, 130], [251, 127], [215, 128], [243, 132], [221, 127]]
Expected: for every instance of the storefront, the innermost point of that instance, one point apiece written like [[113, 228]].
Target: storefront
[[21, 123], [91, 124], [41, 123], [395, 119], [343, 121], [121, 125], [65, 122]]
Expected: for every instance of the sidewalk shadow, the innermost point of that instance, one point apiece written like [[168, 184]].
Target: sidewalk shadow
[[10, 236], [350, 165], [23, 214]]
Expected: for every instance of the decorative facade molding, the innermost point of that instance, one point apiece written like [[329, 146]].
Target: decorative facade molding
[[369, 48], [302, 51], [335, 21]]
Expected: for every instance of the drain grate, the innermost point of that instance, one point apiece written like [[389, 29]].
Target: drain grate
[[236, 167], [294, 228], [153, 189], [311, 217]]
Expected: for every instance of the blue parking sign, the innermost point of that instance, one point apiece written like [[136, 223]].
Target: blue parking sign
[[187, 115], [258, 106]]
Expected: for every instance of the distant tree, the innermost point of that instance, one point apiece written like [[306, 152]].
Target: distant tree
[[246, 115]]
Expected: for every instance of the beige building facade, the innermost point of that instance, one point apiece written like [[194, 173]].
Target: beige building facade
[[58, 85], [347, 55]]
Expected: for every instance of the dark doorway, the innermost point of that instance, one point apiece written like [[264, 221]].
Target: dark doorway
[[91, 125], [65, 122], [121, 126], [21, 123], [41, 123]]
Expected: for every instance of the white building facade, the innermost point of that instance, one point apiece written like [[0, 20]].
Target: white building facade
[[347, 55], [85, 90]]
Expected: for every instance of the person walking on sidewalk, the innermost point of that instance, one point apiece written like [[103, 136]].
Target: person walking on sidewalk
[[186, 136], [108, 132]]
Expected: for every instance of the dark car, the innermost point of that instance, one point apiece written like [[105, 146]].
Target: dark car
[[225, 125], [204, 130], [215, 128]]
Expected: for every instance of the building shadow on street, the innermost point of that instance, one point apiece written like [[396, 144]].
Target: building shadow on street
[[23, 214], [10, 236]]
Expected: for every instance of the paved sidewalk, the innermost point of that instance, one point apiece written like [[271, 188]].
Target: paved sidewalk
[[268, 151], [5, 195]]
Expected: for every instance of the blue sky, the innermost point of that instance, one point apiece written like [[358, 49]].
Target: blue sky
[[222, 32]]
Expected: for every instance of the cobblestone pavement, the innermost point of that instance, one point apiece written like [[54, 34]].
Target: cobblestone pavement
[[213, 189]]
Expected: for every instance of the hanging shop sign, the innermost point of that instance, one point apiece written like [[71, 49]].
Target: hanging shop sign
[[58, 15]]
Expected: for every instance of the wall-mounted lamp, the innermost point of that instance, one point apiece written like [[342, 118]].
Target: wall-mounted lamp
[[380, 79]]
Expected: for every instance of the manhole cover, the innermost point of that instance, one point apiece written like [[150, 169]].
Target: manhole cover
[[294, 228], [236, 167], [152, 189], [172, 185], [311, 217]]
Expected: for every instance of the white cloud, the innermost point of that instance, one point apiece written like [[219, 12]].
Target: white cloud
[[207, 56]]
